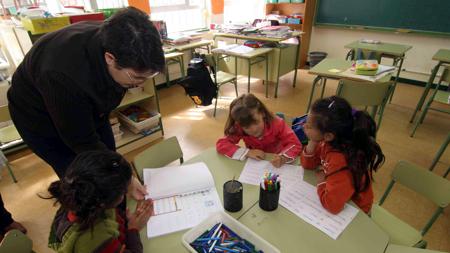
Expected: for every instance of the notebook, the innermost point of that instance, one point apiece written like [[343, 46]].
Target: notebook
[[183, 197]]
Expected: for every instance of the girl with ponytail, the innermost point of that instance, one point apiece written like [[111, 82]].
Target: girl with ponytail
[[343, 142], [88, 220]]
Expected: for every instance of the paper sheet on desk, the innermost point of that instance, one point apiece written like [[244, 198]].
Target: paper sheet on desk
[[302, 199], [183, 197], [254, 171]]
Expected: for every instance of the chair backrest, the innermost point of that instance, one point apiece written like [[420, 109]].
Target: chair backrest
[[367, 94], [424, 182], [158, 155], [15, 241], [4, 113], [362, 54]]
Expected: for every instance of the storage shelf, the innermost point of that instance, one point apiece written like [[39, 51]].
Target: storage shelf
[[131, 141], [129, 98]]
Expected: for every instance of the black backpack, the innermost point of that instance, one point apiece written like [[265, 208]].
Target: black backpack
[[198, 83]]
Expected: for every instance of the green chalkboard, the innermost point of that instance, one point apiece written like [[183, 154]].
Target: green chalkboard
[[421, 16]]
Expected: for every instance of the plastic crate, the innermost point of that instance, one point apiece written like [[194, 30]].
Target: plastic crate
[[45, 25], [234, 225], [137, 127]]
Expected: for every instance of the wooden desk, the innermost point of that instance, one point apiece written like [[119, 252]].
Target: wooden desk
[[390, 50], [256, 56], [442, 56], [280, 227], [281, 58], [332, 69]]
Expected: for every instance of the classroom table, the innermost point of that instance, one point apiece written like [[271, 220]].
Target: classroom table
[[390, 50], [284, 60], [222, 170], [442, 56], [330, 68], [173, 58], [291, 234], [254, 57]]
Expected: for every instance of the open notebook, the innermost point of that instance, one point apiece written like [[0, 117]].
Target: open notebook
[[183, 197]]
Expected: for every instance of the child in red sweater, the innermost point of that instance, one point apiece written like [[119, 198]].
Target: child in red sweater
[[343, 142], [261, 131]]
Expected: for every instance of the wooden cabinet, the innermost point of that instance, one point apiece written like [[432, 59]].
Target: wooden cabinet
[[148, 99], [307, 9]]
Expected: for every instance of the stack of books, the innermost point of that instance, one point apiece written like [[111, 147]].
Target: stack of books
[[275, 31]]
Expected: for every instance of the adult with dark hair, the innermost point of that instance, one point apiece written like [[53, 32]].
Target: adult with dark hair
[[88, 219], [69, 82]]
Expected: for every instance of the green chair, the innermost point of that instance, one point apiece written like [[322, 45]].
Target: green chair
[[366, 94], [392, 248], [15, 241], [9, 137], [439, 154], [158, 155], [220, 78], [422, 181], [438, 96]]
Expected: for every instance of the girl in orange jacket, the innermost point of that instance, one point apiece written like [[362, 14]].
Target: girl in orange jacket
[[343, 142]]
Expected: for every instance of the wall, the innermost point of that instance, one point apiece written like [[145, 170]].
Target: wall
[[418, 62]]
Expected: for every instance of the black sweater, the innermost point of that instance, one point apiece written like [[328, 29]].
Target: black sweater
[[63, 88]]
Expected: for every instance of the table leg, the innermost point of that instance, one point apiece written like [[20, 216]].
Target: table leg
[[350, 55], [235, 67], [249, 73], [316, 80], [396, 77], [425, 92], [323, 87], [157, 105], [296, 62], [278, 75], [167, 75], [182, 66]]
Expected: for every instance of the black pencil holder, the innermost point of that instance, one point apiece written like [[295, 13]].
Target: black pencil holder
[[232, 196], [268, 200]]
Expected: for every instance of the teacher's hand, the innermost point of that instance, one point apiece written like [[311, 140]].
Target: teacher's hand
[[136, 190]]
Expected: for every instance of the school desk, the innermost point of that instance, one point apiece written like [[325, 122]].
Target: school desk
[[173, 58], [442, 56], [254, 57], [289, 233], [361, 235], [389, 50], [283, 59], [330, 68]]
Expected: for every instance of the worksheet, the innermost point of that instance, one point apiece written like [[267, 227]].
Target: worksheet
[[183, 197], [302, 199], [254, 171]]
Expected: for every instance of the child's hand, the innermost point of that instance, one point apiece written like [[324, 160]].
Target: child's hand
[[320, 175], [278, 160], [139, 218], [256, 154], [311, 146], [136, 190]]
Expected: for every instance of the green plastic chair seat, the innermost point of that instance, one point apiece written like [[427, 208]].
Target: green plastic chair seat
[[158, 155], [15, 241], [223, 77], [399, 232], [8, 134]]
